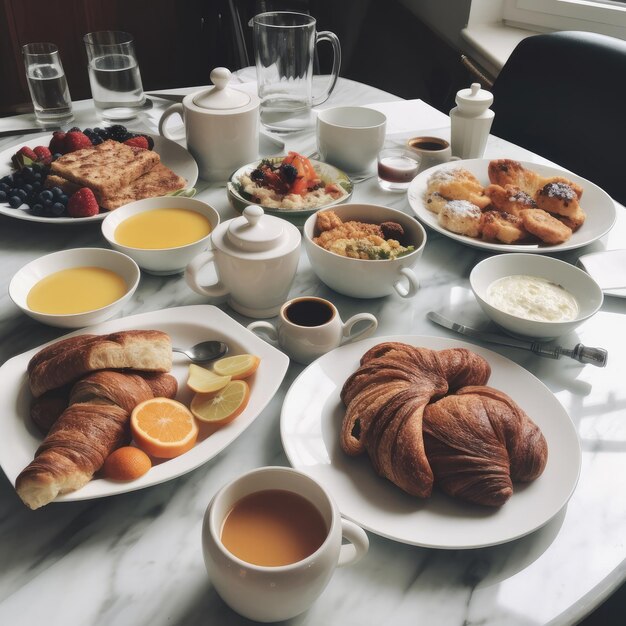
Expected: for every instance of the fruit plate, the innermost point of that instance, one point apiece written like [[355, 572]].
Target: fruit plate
[[597, 204], [186, 326], [172, 155], [311, 419], [239, 199]]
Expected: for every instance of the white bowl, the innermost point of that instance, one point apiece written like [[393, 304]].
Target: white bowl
[[166, 260], [586, 291], [362, 278], [25, 279]]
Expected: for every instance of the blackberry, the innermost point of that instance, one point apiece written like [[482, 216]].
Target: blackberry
[[74, 129], [103, 133], [257, 175], [120, 133], [93, 136], [288, 172]]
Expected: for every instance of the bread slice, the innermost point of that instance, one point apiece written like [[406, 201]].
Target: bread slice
[[105, 168], [67, 360], [68, 187]]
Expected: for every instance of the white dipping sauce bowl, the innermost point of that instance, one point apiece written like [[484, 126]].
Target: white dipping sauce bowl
[[364, 278], [163, 261], [26, 278], [585, 290], [350, 137]]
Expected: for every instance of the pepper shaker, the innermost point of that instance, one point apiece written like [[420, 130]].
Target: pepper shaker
[[471, 122]]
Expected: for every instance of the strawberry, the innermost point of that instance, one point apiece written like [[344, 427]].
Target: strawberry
[[138, 142], [57, 143], [82, 203], [43, 155], [76, 140], [23, 157]]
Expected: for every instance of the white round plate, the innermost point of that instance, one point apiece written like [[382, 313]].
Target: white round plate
[[597, 204], [172, 155], [186, 326], [311, 421]]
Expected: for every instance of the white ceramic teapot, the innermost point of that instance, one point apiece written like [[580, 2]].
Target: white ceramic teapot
[[221, 126], [255, 257]]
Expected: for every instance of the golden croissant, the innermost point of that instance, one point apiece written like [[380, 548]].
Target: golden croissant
[[472, 441]]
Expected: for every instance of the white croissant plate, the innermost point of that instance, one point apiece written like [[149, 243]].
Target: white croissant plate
[[186, 326], [596, 203], [311, 420]]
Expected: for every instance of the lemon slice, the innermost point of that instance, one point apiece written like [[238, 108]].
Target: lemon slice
[[237, 367], [224, 406], [163, 428], [202, 380]]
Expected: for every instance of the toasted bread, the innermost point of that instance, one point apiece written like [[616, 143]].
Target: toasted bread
[[106, 168]]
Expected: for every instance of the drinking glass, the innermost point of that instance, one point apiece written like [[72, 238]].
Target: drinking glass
[[397, 167], [284, 46], [47, 84], [114, 75]]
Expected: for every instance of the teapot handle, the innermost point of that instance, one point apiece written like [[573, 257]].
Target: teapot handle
[[171, 110], [217, 289]]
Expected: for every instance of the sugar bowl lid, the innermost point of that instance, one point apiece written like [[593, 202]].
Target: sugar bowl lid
[[258, 234], [221, 97], [474, 99]]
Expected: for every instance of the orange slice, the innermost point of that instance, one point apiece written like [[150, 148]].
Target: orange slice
[[163, 428], [237, 367], [126, 463], [202, 380], [224, 406]]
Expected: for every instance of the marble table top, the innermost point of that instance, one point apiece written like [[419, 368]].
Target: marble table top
[[136, 558]]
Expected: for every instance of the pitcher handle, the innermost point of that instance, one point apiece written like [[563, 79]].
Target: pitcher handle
[[326, 35], [216, 290]]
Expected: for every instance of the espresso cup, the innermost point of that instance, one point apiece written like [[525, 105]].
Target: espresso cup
[[309, 327], [350, 137], [432, 151], [268, 593]]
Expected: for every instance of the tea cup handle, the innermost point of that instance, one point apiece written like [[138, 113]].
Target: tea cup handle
[[216, 290], [266, 328], [355, 319], [413, 286], [171, 110], [454, 158], [358, 546]]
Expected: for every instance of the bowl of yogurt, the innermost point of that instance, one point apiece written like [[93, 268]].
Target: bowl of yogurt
[[533, 295]]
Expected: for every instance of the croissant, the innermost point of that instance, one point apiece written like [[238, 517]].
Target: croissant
[[94, 424], [473, 442]]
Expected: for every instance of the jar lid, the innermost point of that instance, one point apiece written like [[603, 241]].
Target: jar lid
[[220, 96], [474, 99], [254, 231]]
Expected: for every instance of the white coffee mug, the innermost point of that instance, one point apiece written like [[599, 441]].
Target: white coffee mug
[[309, 327], [264, 593], [350, 137], [432, 151], [221, 126]]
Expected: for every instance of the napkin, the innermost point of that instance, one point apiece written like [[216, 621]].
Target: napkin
[[607, 268], [410, 116]]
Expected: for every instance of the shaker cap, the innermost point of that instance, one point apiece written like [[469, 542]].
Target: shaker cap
[[474, 99], [254, 231], [220, 96]]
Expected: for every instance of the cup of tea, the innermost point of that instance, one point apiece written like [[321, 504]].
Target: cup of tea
[[309, 327], [272, 539], [350, 137], [431, 150], [284, 46]]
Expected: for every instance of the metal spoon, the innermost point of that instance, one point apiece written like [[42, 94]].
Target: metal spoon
[[204, 351]]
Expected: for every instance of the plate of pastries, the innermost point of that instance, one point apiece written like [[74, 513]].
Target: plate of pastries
[[431, 441], [511, 206], [68, 404]]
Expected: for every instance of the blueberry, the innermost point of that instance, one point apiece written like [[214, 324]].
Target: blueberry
[[46, 194], [28, 187], [57, 192], [47, 204], [15, 201], [4, 187], [37, 209], [7, 180], [56, 155], [64, 199], [57, 209], [3, 195], [37, 185], [21, 194], [37, 176]]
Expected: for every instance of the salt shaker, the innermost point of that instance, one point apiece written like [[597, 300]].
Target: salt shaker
[[471, 121]]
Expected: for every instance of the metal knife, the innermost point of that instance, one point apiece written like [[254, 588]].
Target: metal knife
[[581, 353], [16, 132]]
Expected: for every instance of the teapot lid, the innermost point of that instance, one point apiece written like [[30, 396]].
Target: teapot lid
[[254, 231], [220, 96], [474, 99]]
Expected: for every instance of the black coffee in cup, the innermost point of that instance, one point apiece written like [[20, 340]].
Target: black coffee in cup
[[309, 312], [428, 143]]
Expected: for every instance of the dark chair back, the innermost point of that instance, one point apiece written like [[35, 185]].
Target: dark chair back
[[563, 96]]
